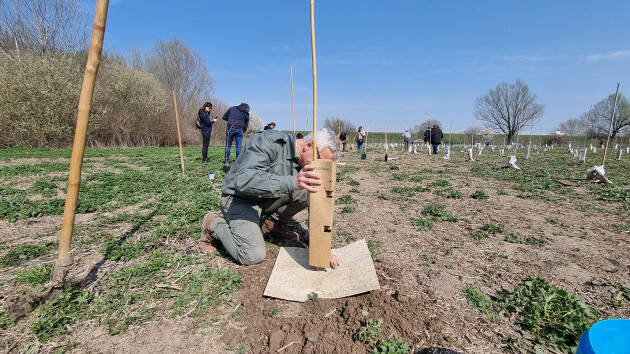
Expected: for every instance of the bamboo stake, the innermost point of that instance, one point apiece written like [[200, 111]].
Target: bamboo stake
[[179, 135], [292, 101], [313, 55], [612, 119], [64, 258]]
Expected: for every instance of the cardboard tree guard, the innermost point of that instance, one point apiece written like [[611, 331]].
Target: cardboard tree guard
[[320, 214]]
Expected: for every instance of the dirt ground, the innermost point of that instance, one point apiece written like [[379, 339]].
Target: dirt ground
[[421, 273]]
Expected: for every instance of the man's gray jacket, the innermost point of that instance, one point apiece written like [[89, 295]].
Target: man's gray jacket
[[265, 169]]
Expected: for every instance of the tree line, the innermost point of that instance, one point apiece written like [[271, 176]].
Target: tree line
[[43, 51]]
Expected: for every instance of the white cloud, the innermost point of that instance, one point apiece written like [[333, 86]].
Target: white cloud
[[620, 54]]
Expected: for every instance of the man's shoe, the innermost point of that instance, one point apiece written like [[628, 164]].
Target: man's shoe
[[278, 229], [208, 239]]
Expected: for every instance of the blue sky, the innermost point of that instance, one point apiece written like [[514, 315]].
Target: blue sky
[[392, 63]]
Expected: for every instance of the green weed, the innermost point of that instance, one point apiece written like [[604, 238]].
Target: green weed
[[353, 182], [409, 191], [480, 194], [424, 224], [449, 193], [59, 314], [552, 315], [441, 183], [374, 247], [400, 176], [35, 275], [438, 212], [275, 311], [16, 256], [5, 321], [494, 228], [477, 299], [348, 209], [500, 255], [393, 345], [354, 190], [345, 199], [479, 235], [529, 240], [369, 332]]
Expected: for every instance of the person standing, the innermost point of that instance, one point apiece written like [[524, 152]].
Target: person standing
[[436, 138], [406, 137], [360, 139], [237, 118], [206, 128], [343, 138]]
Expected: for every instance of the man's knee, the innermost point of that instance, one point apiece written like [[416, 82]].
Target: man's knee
[[253, 256]]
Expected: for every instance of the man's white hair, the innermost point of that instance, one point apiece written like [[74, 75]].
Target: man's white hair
[[326, 138]]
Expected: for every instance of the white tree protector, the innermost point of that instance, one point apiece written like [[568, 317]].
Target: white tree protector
[[447, 155], [597, 174], [569, 146], [619, 153], [492, 148], [529, 148], [502, 152], [591, 147], [602, 146], [575, 154], [470, 155], [512, 163], [594, 150], [582, 156], [480, 151], [415, 149], [616, 146], [628, 150], [412, 147]]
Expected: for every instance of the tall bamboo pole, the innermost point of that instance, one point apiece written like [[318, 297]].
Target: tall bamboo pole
[[314, 80], [612, 119], [179, 135], [292, 102], [64, 258]]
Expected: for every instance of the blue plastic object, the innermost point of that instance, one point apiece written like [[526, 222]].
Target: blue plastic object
[[606, 337]]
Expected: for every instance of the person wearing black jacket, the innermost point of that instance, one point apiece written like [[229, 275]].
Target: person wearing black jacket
[[237, 118], [206, 128], [436, 138]]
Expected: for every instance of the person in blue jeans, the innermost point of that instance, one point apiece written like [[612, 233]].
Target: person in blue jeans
[[206, 128], [237, 118]]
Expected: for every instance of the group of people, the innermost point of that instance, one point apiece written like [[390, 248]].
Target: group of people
[[432, 137], [237, 118]]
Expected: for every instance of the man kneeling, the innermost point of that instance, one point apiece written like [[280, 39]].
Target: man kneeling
[[269, 181]]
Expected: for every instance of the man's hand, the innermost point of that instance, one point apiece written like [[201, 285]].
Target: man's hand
[[334, 261], [306, 179]]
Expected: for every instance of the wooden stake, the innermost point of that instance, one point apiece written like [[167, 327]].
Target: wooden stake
[[322, 202], [179, 135], [612, 119], [314, 59], [292, 102], [64, 258]]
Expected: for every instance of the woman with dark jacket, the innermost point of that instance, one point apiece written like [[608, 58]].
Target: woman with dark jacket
[[206, 128]]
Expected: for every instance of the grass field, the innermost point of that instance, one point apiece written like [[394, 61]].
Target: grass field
[[470, 256]]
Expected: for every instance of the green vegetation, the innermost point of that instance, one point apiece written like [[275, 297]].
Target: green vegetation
[[400, 176], [480, 194], [369, 332], [529, 240], [59, 314], [449, 193], [16, 256], [477, 299], [552, 315], [437, 212], [35, 275], [423, 224], [494, 228], [394, 345], [441, 183], [500, 255], [479, 235], [5, 321], [409, 191], [374, 247], [353, 182], [275, 311], [345, 199], [348, 209]]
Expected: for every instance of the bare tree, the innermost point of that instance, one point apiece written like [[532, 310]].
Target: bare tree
[[508, 108], [426, 124], [573, 127], [602, 112], [43, 26], [255, 124], [335, 123]]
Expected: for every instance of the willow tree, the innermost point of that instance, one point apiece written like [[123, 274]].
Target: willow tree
[[508, 108]]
